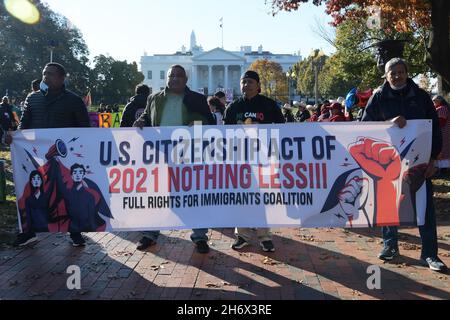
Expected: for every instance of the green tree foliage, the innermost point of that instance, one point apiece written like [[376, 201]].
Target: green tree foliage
[[305, 72], [113, 81], [354, 64], [25, 49], [272, 78], [331, 80]]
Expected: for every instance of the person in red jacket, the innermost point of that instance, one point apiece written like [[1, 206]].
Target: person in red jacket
[[336, 113], [443, 112]]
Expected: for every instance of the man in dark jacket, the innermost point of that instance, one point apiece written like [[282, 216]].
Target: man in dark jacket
[[176, 105], [253, 108], [53, 107], [302, 114], [136, 106], [6, 118], [287, 113], [399, 100]]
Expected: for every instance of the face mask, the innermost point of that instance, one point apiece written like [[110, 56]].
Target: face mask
[[397, 88], [44, 88]]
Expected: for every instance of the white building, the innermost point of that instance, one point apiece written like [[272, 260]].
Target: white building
[[209, 71]]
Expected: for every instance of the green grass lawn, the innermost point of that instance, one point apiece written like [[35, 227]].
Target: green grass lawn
[[8, 210]]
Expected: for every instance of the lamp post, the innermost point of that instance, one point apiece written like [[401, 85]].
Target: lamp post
[[316, 85], [272, 88], [386, 48], [52, 45], [290, 75], [317, 64]]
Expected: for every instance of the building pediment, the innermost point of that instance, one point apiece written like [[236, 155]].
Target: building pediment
[[218, 54]]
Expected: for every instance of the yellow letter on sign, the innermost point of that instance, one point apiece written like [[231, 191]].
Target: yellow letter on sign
[[104, 120]]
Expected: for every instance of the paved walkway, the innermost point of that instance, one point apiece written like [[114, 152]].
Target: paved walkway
[[307, 264]]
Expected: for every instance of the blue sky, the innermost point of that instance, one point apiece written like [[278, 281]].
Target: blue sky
[[125, 29]]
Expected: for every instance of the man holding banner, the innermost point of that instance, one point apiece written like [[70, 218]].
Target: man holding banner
[[400, 99], [253, 108], [176, 105], [52, 107]]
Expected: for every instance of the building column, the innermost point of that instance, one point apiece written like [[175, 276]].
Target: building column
[[210, 82], [194, 78], [226, 77]]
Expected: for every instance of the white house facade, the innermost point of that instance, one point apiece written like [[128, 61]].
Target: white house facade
[[209, 71]]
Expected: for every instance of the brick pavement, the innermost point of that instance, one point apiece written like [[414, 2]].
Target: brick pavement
[[307, 264]]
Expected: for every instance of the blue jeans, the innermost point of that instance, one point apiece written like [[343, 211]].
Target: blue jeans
[[196, 236], [428, 232]]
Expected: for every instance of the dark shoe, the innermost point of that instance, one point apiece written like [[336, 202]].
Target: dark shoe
[[267, 246], [24, 239], [202, 246], [434, 264], [145, 243], [239, 243], [387, 254], [77, 240]]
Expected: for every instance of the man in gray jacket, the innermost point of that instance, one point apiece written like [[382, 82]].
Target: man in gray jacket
[[176, 105]]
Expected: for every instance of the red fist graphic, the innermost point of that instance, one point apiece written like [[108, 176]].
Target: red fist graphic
[[377, 158], [381, 161]]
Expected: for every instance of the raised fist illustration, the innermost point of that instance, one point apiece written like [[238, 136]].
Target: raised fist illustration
[[381, 161], [378, 158], [353, 196]]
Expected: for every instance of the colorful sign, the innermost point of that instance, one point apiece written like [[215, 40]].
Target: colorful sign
[[289, 175]]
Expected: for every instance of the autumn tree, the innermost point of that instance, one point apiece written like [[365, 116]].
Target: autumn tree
[[398, 15], [272, 78], [353, 64]]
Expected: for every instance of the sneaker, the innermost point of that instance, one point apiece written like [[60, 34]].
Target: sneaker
[[202, 246], [267, 246], [387, 254], [77, 240], [434, 264], [24, 239], [239, 243], [145, 243]]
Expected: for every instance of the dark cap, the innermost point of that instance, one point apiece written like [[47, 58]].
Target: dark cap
[[250, 74]]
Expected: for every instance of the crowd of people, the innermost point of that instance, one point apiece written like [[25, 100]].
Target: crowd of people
[[398, 100], [107, 108]]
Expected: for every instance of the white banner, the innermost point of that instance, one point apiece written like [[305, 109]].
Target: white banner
[[290, 175]]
